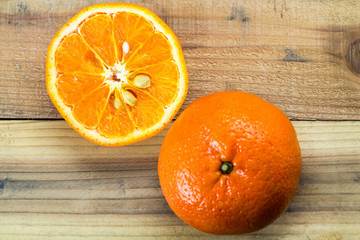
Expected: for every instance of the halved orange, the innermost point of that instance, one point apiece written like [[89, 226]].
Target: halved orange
[[116, 73]]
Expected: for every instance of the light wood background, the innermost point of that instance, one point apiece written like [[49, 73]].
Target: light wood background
[[302, 56]]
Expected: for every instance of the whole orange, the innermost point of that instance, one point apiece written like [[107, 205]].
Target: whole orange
[[230, 163]]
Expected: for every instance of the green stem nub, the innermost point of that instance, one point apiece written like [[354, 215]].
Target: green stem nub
[[226, 167]]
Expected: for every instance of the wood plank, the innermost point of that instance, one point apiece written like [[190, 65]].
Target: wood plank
[[56, 184], [301, 56]]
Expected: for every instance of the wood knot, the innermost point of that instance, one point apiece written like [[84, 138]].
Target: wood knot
[[353, 56]]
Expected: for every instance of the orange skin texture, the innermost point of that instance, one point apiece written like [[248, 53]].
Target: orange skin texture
[[237, 127]]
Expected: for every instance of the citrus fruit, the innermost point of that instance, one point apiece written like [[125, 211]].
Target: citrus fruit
[[116, 73], [230, 163]]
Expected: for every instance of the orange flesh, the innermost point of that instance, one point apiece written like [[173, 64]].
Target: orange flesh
[[164, 81], [132, 29], [74, 56], [84, 58], [98, 33], [73, 87], [114, 122], [142, 117]]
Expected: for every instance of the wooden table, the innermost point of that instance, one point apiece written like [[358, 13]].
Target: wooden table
[[302, 56]]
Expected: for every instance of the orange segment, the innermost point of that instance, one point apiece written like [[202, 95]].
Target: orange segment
[[147, 111], [98, 33], [156, 49], [133, 29], [164, 81], [73, 88], [73, 55], [115, 122], [90, 109]]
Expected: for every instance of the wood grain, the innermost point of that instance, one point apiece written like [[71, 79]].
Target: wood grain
[[302, 56], [295, 54], [55, 184]]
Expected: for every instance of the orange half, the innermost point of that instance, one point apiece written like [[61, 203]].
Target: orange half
[[116, 73]]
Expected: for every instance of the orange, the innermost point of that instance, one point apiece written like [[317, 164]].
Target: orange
[[230, 163], [116, 73]]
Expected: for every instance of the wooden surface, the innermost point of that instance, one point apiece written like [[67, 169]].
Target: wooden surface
[[303, 56], [55, 183], [291, 53]]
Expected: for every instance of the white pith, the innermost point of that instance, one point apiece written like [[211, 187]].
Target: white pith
[[119, 72]]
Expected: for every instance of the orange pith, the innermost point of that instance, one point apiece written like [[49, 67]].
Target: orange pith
[[93, 62], [238, 128]]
